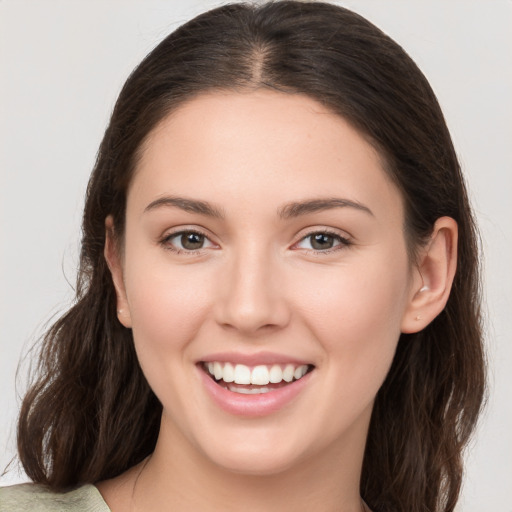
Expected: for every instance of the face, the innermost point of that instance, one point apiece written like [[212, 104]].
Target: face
[[264, 244]]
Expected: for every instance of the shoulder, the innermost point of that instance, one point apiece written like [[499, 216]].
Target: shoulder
[[38, 498]]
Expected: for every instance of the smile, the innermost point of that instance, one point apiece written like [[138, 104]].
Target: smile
[[253, 390], [260, 375]]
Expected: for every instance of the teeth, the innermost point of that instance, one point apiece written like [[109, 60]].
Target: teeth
[[276, 374], [260, 375], [242, 374], [248, 391], [228, 374], [288, 373], [300, 371], [218, 371]]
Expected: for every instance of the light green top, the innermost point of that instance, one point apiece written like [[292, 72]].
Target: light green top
[[37, 498]]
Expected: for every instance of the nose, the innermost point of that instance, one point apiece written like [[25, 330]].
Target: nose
[[253, 299]]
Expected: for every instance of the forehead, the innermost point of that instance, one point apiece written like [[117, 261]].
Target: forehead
[[262, 147]]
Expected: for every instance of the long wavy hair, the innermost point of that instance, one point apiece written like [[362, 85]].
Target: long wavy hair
[[90, 415]]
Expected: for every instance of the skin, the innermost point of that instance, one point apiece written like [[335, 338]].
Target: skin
[[259, 285]]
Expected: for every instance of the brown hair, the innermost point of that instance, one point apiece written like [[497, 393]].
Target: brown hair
[[91, 414]]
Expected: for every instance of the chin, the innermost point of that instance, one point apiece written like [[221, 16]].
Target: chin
[[258, 452], [262, 463]]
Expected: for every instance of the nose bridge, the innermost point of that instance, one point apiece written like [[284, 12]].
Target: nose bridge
[[253, 297]]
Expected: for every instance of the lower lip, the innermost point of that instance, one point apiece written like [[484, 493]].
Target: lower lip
[[253, 405]]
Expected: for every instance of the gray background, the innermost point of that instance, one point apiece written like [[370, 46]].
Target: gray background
[[62, 65]]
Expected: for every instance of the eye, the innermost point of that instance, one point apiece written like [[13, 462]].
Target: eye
[[323, 241], [186, 241]]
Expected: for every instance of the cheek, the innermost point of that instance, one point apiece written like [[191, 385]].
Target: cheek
[[355, 300], [355, 314], [158, 309], [167, 306], [356, 321]]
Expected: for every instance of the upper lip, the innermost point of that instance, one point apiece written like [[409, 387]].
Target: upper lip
[[253, 359]]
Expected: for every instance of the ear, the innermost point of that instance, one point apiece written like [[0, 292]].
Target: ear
[[114, 262], [433, 276]]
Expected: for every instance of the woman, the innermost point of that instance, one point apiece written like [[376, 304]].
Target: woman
[[277, 306]]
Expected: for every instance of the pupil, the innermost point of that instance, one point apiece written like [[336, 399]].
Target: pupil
[[322, 241], [192, 241]]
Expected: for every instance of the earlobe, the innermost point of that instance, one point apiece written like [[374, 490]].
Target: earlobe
[[113, 259], [435, 271]]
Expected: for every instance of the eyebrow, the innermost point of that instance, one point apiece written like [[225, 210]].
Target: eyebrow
[[290, 210], [188, 205], [296, 209]]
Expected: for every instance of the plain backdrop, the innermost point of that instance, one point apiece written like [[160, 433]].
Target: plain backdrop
[[62, 64]]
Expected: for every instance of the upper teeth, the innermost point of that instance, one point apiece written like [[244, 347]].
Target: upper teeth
[[259, 375]]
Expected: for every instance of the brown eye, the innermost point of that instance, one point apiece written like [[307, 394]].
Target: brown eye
[[322, 241], [186, 241], [192, 241]]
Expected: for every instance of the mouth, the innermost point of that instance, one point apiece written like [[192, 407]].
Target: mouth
[[254, 380]]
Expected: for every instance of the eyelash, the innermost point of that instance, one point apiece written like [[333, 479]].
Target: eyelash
[[343, 242], [165, 242]]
